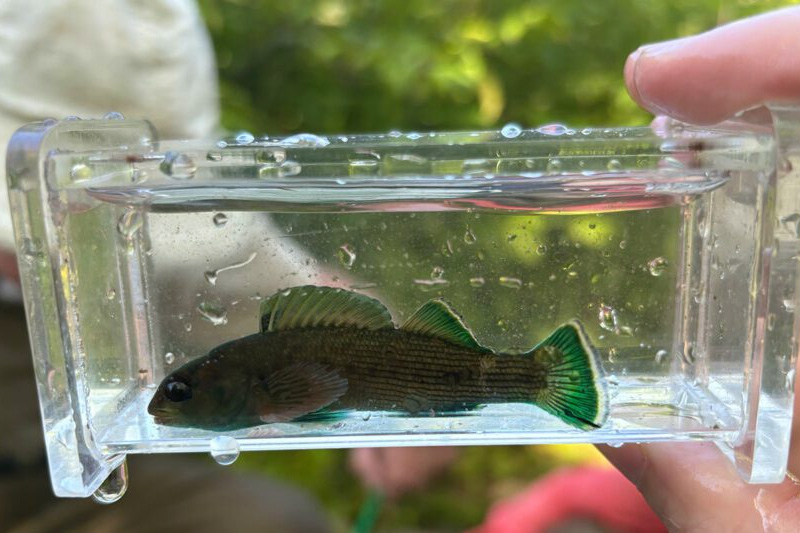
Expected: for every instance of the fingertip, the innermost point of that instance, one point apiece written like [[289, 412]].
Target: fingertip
[[629, 459]]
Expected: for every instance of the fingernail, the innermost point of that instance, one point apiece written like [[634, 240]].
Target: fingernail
[[630, 75]]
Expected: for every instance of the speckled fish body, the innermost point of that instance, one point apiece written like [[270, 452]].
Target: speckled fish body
[[324, 351]]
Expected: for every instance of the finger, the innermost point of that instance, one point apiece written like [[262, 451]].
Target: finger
[[710, 77], [691, 486], [368, 465]]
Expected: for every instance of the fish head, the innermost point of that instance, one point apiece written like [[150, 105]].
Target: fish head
[[207, 393]]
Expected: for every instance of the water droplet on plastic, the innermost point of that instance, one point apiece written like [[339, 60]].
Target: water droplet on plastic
[[541, 249], [188, 326], [111, 294], [220, 219], [347, 256], [224, 450], [211, 276], [169, 358], [607, 316], [306, 140], [612, 355], [271, 155], [366, 416], [80, 172], [511, 283], [214, 156], [289, 168], [469, 237], [625, 331], [114, 486], [613, 164], [215, 314], [244, 137], [437, 272], [129, 223], [657, 266], [178, 166], [792, 223], [788, 304], [394, 134], [586, 131], [790, 380], [771, 319], [623, 244], [614, 444], [554, 165], [477, 282], [660, 356], [113, 115], [413, 136], [553, 129], [511, 130]]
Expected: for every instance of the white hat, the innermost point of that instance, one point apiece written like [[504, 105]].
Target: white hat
[[149, 60]]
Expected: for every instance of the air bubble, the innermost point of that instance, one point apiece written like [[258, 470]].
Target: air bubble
[[437, 272], [220, 219], [613, 164], [623, 244], [224, 450], [511, 130], [789, 382], [129, 223], [178, 166], [477, 282], [413, 136], [607, 316], [469, 237], [169, 358], [660, 356], [215, 314], [289, 168], [511, 283], [657, 266], [111, 294], [347, 256], [114, 115], [612, 355], [244, 137], [541, 249], [80, 172]]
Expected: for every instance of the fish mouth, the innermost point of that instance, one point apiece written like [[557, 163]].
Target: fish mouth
[[162, 416]]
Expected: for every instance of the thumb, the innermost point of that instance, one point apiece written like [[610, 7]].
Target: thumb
[[710, 77]]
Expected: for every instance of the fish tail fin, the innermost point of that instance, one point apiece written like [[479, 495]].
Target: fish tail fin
[[575, 388]]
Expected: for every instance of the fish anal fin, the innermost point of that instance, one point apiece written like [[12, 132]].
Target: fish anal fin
[[437, 319], [313, 306], [297, 390], [575, 391]]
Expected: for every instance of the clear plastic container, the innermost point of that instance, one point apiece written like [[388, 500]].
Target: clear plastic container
[[676, 248]]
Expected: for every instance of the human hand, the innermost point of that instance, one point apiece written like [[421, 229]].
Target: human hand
[[395, 471], [705, 79]]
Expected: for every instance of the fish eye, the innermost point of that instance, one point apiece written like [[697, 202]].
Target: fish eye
[[178, 391]]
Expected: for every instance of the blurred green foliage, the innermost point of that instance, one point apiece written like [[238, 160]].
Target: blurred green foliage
[[367, 65]]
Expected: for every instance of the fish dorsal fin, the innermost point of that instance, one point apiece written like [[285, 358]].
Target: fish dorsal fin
[[437, 319], [310, 306]]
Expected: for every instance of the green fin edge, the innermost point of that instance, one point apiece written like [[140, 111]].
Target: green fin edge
[[310, 306], [438, 319], [576, 389]]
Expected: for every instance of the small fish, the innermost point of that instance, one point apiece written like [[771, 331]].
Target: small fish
[[323, 352]]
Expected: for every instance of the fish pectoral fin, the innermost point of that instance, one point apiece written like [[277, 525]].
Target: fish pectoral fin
[[310, 306], [298, 389], [438, 319]]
